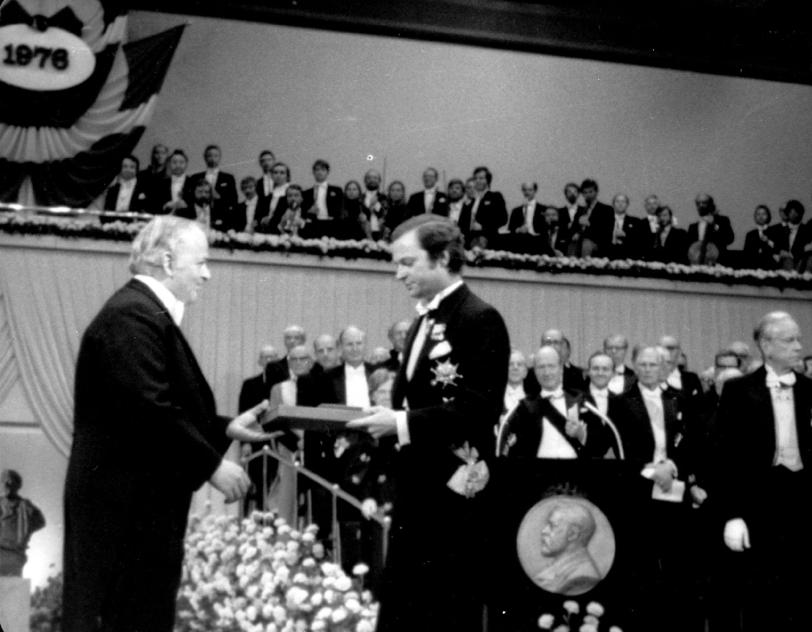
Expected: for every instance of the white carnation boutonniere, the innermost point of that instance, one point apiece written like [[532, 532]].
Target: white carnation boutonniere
[[471, 477], [439, 350]]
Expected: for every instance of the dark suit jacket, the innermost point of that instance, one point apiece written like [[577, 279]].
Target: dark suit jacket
[[573, 380], [745, 447], [633, 245], [721, 233], [675, 248], [146, 435], [570, 228], [517, 218], [804, 236], [333, 387], [139, 202], [491, 214], [759, 253], [335, 201], [253, 391], [454, 400], [417, 204], [224, 203], [601, 221], [162, 193]]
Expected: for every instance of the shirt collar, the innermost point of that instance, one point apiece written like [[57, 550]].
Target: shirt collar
[[599, 392], [165, 296], [350, 370], [424, 308], [773, 379]]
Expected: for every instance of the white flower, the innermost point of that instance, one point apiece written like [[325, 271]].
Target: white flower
[[343, 583], [595, 609], [353, 605], [308, 536], [295, 596], [339, 614], [615, 628], [300, 578], [308, 562], [364, 625], [267, 611], [271, 627], [588, 627], [324, 613], [359, 570], [316, 598], [251, 613], [279, 615], [546, 621], [572, 606], [318, 625], [318, 550], [329, 595], [292, 546]]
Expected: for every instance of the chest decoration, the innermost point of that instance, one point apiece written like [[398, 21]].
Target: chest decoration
[[445, 374]]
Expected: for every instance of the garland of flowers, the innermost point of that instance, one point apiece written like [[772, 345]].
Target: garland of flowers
[[573, 619], [379, 250], [260, 575]]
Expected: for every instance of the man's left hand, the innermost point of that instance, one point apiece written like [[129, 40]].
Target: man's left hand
[[245, 427], [380, 423]]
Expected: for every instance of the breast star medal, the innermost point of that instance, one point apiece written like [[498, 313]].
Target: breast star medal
[[445, 374]]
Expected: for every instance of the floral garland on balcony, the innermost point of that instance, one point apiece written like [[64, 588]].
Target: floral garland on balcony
[[368, 249]]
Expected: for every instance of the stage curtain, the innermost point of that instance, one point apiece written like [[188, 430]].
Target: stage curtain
[[8, 363]]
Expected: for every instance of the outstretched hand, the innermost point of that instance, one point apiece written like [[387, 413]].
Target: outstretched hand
[[246, 427], [380, 423]]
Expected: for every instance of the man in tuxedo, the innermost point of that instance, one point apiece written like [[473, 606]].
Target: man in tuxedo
[[791, 241], [595, 223], [156, 170], [712, 228], [146, 436], [397, 337], [265, 181], [651, 205], [514, 389], [348, 383], [600, 370], [223, 189], [326, 352], [278, 371], [322, 203], [763, 463], [374, 202], [552, 424], [430, 199], [627, 238], [275, 203], [569, 216], [255, 389], [245, 218], [482, 217], [447, 398], [669, 244], [623, 378], [129, 193], [174, 194], [574, 378], [685, 383], [526, 224], [456, 199]]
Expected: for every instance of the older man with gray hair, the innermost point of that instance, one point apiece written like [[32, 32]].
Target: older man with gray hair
[[146, 436]]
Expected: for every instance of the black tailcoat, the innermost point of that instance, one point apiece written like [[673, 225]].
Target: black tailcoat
[[146, 435]]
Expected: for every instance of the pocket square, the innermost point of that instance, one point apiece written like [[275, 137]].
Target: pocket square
[[439, 350]]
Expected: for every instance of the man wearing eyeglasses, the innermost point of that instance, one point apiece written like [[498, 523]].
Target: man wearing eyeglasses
[[763, 479]]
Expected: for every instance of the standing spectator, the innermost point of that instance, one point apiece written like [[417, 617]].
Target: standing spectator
[[554, 237], [595, 224], [623, 378], [651, 205], [456, 199], [482, 217], [277, 202], [627, 238], [175, 192], [156, 171], [353, 221], [265, 182], [323, 202], [569, 219], [255, 389], [326, 350], [374, 201], [397, 337], [130, 191], [686, 383], [200, 208], [396, 209], [759, 243], [526, 223], [293, 221], [293, 336], [669, 244], [430, 199], [791, 241], [763, 456], [245, 219], [223, 188], [709, 237], [514, 390]]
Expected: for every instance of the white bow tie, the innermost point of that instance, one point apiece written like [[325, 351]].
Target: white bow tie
[[556, 394], [781, 381]]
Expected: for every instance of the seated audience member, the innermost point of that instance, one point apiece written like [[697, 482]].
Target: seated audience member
[[278, 371], [708, 238], [595, 223], [277, 202], [430, 199], [245, 219], [627, 237], [526, 223], [653, 425], [573, 376], [569, 217], [265, 181], [293, 221], [514, 390], [397, 338], [174, 193], [326, 350], [374, 202], [353, 221], [482, 217], [396, 209], [759, 245], [223, 188], [456, 199], [669, 244], [554, 237], [378, 356], [651, 205], [323, 202], [623, 378], [130, 192], [157, 170], [551, 425], [600, 370], [791, 241]]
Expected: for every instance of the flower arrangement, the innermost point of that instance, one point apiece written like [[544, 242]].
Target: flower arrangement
[[260, 575], [19, 224], [46, 606], [573, 620]]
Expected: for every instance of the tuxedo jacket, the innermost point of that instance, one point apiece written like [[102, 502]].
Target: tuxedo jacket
[[601, 221], [633, 245], [146, 435], [162, 193], [605, 441], [573, 380], [781, 234], [721, 232], [524, 429], [517, 218], [270, 219], [675, 248], [139, 202], [224, 203], [491, 214], [570, 227], [759, 253], [417, 204], [745, 446], [335, 201], [253, 391], [332, 387]]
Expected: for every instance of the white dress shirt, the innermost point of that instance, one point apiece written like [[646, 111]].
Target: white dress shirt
[[653, 400], [250, 213], [321, 200], [529, 207], [277, 194], [601, 397], [787, 452], [454, 210], [428, 199], [125, 194], [355, 381], [177, 187], [165, 296], [211, 177]]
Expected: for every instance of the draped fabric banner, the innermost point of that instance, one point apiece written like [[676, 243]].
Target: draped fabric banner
[[8, 363], [67, 118]]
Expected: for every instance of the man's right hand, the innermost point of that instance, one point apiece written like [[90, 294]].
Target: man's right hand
[[230, 479], [737, 537]]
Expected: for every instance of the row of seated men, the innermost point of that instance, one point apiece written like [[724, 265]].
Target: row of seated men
[[580, 225]]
